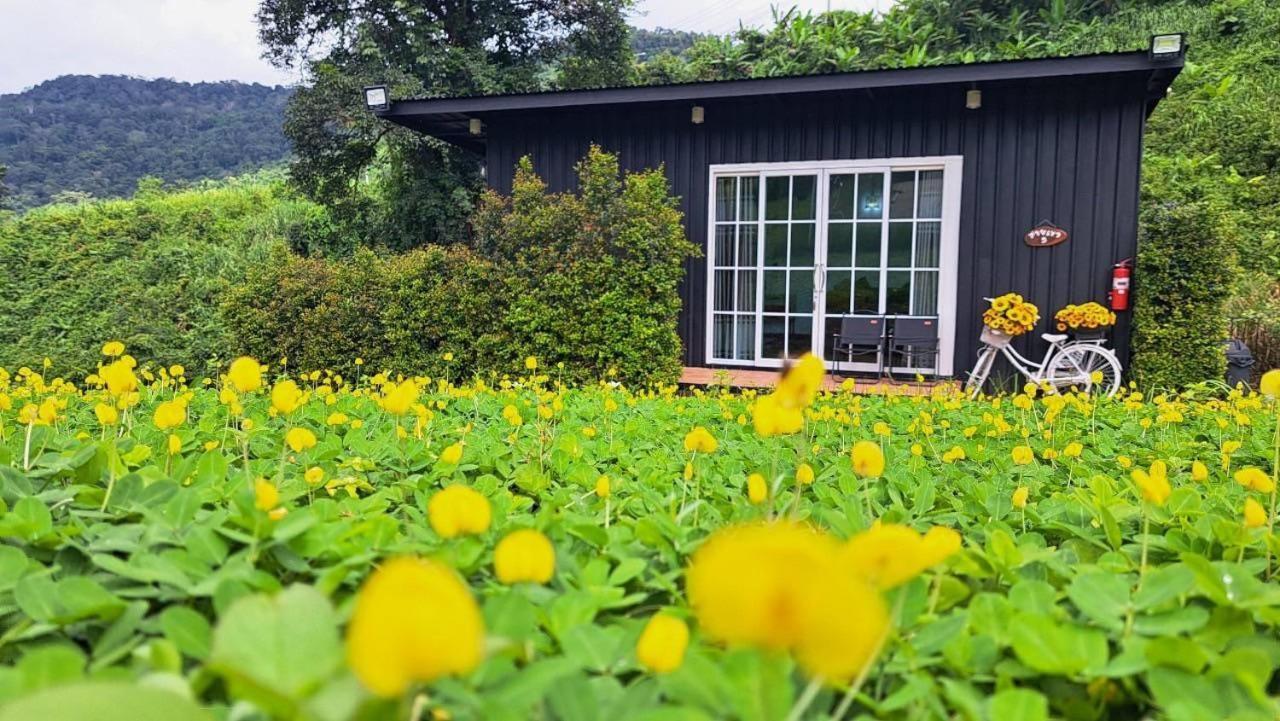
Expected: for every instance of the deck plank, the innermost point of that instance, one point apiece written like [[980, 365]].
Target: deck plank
[[752, 378]]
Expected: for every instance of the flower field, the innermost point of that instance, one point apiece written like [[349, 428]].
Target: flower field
[[329, 545]]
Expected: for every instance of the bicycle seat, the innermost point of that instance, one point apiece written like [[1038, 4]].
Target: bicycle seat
[[1053, 337]]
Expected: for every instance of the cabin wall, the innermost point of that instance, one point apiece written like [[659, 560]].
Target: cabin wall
[[1064, 151]]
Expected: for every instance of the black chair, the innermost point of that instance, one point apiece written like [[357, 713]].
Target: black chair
[[913, 340], [860, 335]]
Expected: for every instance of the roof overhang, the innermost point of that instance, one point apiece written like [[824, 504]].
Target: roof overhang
[[449, 118]]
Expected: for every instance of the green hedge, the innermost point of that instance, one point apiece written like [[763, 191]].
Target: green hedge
[[587, 279], [1184, 275], [150, 271]]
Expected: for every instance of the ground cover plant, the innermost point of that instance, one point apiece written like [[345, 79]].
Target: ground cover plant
[[286, 543]]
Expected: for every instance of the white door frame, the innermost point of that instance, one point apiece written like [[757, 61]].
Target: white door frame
[[948, 261]]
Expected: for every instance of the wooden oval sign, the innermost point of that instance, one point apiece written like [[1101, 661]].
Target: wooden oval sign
[[1045, 235]]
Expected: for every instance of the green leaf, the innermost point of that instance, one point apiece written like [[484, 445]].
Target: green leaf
[[188, 630], [98, 701], [573, 699], [51, 665], [1176, 652], [762, 684], [277, 648], [1018, 704], [1102, 596], [1057, 648], [1163, 584]]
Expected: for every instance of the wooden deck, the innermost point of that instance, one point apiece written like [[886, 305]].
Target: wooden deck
[[744, 378]]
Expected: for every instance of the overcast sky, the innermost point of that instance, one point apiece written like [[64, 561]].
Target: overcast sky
[[197, 40]]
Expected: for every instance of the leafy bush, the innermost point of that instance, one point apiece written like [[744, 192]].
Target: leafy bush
[[587, 279], [150, 271]]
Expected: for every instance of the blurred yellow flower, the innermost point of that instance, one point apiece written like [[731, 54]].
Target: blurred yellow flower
[[1020, 496], [524, 556], [314, 476], [245, 374], [867, 458], [663, 643], [107, 414], [1270, 383], [170, 414], [1073, 449], [804, 474], [1199, 471], [888, 554], [175, 444], [452, 454], [1256, 479], [414, 620], [113, 348], [286, 397], [602, 487], [265, 495], [1154, 484], [700, 440], [397, 399], [1255, 516], [757, 489], [300, 439], [119, 378], [531, 363], [458, 510], [1022, 455]]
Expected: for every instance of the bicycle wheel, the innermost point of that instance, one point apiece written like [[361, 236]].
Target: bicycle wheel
[[981, 369], [1090, 368]]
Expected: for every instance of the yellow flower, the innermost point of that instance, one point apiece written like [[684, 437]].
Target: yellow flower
[[119, 378], [113, 348], [414, 620], [1073, 449], [662, 643], [700, 440], [770, 417], [1256, 479], [782, 411], [245, 374], [1020, 497], [286, 397], [170, 414], [265, 495], [336, 419], [882, 429], [452, 454], [602, 487], [448, 357], [314, 476], [1124, 461], [757, 489], [107, 414], [1270, 383], [531, 363], [1255, 515], [524, 556], [177, 371], [1154, 484], [458, 510], [1199, 471], [782, 586], [1022, 455], [888, 554], [917, 449], [397, 399], [175, 444], [300, 439], [868, 459], [804, 474]]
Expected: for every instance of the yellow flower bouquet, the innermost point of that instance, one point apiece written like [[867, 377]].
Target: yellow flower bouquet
[[1087, 316], [1010, 315]]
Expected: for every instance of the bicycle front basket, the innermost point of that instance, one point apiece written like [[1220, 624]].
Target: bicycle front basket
[[993, 337]]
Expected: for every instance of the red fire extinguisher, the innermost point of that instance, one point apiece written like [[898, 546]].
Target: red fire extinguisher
[[1121, 274]]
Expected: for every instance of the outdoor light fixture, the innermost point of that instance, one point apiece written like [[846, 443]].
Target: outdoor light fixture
[[376, 98], [973, 99], [1168, 46], [699, 115], [474, 126]]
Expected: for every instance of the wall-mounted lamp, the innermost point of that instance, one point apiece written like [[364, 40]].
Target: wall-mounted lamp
[[376, 98], [698, 115], [1168, 46], [973, 99], [475, 127]]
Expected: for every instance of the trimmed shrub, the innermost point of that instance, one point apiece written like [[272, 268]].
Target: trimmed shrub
[[588, 280]]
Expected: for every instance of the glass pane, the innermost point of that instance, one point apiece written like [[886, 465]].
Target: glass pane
[[747, 245], [724, 290], [746, 290], [799, 334], [749, 198], [897, 299], [831, 328], [724, 245], [776, 193], [775, 244], [840, 245], [871, 195], [868, 255], [838, 285], [930, 204], [801, 295], [723, 336], [899, 245], [775, 291], [840, 201], [802, 244], [928, 242], [902, 194], [746, 337], [866, 292], [804, 195], [726, 198], [925, 293], [773, 336]]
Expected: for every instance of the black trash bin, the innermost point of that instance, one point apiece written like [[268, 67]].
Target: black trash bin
[[1240, 362]]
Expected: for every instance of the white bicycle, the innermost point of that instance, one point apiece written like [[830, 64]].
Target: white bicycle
[[1085, 365]]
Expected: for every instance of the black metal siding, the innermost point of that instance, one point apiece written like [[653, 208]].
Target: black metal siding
[[1067, 151]]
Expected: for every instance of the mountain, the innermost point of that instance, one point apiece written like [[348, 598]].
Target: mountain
[[100, 134]]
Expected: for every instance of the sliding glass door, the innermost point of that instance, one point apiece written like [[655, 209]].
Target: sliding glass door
[[797, 248]]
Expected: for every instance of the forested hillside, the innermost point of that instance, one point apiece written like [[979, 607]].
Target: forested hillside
[[99, 135]]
